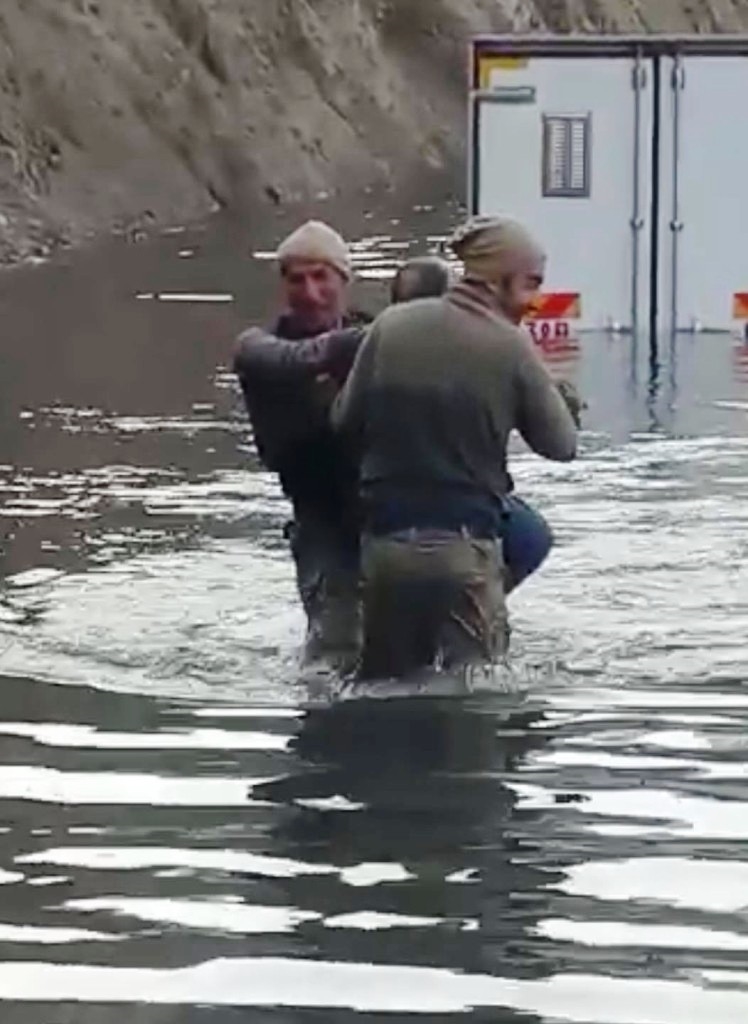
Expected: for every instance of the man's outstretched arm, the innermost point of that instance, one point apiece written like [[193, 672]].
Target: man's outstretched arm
[[545, 412], [260, 355]]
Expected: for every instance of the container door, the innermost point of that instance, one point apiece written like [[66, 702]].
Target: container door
[[704, 193], [565, 145]]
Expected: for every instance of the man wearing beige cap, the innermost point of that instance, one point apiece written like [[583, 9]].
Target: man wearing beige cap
[[435, 391], [288, 404]]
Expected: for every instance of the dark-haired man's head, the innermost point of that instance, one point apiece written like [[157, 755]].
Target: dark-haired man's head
[[423, 277]]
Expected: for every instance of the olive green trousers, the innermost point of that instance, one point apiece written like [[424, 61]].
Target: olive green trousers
[[431, 599]]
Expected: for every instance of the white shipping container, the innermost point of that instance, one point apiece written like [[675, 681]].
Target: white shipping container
[[628, 157]]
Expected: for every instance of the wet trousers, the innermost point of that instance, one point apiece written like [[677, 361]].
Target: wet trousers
[[326, 558], [430, 599], [328, 572]]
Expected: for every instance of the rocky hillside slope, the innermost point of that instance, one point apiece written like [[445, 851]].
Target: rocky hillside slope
[[117, 112]]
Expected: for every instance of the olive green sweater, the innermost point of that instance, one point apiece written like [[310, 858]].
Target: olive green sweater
[[437, 388]]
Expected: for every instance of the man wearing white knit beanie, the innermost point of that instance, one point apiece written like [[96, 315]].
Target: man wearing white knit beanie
[[316, 242], [288, 375]]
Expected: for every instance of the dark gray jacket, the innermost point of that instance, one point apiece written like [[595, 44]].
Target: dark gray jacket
[[279, 372]]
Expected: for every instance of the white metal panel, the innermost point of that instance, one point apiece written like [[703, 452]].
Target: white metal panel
[[589, 240], [704, 185]]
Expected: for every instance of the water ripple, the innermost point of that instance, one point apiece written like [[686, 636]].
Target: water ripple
[[188, 820]]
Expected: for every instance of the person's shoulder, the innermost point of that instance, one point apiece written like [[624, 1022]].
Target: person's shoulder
[[514, 337], [252, 333], [274, 329], [244, 342], [501, 341], [413, 310]]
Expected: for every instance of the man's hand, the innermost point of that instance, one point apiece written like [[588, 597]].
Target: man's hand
[[574, 402]]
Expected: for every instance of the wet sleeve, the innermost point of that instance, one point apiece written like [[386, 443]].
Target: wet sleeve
[[348, 412], [543, 417], [260, 355]]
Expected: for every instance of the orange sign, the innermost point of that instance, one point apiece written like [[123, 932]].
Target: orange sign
[[740, 306], [557, 306]]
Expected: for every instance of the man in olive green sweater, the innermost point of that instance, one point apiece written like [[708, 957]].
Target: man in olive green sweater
[[435, 391]]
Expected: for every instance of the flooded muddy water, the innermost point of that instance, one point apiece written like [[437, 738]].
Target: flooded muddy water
[[189, 832]]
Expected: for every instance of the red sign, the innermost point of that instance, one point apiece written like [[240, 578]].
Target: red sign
[[556, 306], [546, 330]]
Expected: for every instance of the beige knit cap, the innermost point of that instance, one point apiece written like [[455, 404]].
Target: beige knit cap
[[493, 246], [317, 242]]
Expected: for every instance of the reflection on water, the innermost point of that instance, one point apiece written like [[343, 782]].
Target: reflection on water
[[189, 831]]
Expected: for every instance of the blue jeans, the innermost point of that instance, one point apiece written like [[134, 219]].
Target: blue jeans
[[526, 543]]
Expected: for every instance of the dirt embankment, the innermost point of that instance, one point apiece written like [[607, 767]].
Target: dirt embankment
[[118, 113]]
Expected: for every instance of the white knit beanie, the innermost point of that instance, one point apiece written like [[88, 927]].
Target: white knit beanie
[[317, 242]]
